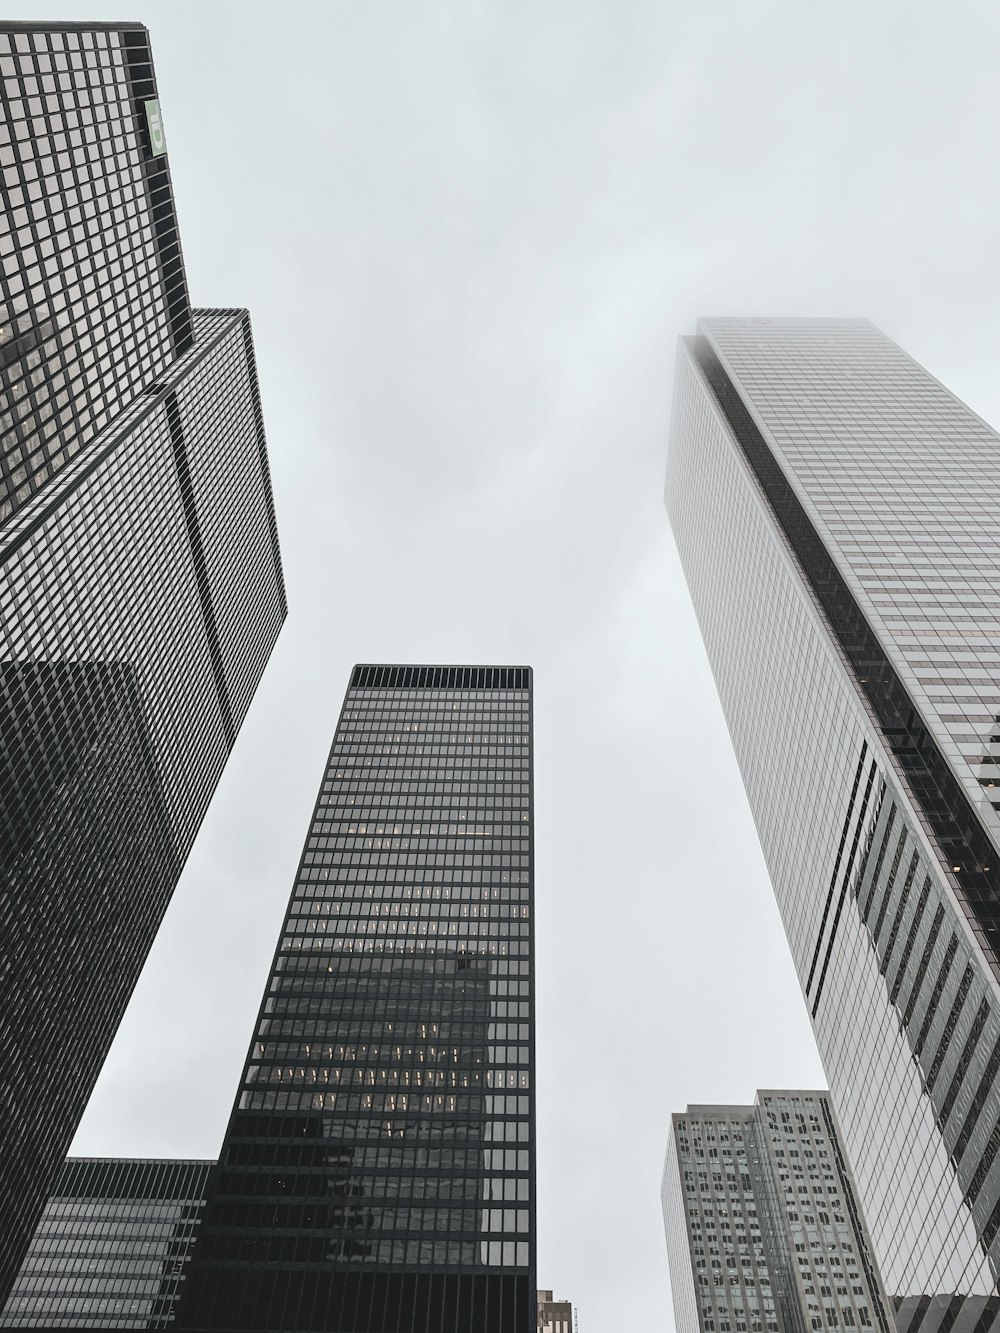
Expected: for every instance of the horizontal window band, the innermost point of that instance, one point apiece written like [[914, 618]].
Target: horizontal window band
[[441, 678]]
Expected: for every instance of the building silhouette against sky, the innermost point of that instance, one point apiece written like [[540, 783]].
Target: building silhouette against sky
[[140, 580], [377, 1174], [837, 513], [764, 1231]]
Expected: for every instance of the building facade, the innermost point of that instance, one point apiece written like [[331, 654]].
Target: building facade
[[377, 1175], [93, 299], [554, 1316], [836, 513], [764, 1231], [140, 580], [112, 1247]]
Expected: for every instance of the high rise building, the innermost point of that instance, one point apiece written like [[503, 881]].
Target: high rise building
[[554, 1316], [112, 1247], [377, 1173], [764, 1232], [140, 579], [94, 300], [836, 510]]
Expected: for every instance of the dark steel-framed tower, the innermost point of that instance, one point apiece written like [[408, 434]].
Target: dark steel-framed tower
[[377, 1175], [837, 512], [141, 589]]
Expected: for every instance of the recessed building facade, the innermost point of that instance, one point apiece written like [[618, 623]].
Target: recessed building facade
[[836, 513], [140, 580], [377, 1175]]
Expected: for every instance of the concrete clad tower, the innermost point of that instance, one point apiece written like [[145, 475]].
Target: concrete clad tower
[[554, 1316], [764, 1233]]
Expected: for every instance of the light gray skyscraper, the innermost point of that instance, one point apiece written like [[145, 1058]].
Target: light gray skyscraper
[[764, 1234], [837, 513]]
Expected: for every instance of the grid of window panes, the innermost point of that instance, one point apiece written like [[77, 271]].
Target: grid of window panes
[[112, 1247], [763, 1231], [689, 1315], [719, 1242], [903, 482], [93, 304], [902, 998], [140, 596], [554, 1316], [823, 1260], [946, 1008], [378, 1168]]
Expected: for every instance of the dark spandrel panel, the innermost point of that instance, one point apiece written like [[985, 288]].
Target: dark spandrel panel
[[132, 1178], [93, 299], [378, 1170], [318, 1301], [441, 677], [112, 1247], [133, 638]]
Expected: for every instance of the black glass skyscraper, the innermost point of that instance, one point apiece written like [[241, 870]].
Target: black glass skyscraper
[[837, 512], [377, 1174], [140, 580]]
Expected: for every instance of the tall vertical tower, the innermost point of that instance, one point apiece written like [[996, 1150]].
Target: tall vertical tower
[[764, 1233], [377, 1175], [140, 580], [837, 512]]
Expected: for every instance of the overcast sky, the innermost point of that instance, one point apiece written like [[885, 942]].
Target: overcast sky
[[469, 235]]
